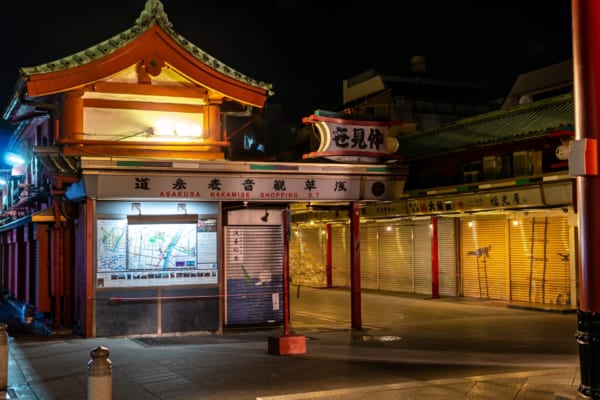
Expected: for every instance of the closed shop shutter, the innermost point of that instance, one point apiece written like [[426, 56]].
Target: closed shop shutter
[[308, 261], [369, 259], [447, 256], [484, 257], [253, 274], [395, 256], [539, 259], [406, 270], [340, 257], [422, 256]]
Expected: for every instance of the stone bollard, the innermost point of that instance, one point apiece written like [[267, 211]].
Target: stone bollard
[[99, 375], [3, 357]]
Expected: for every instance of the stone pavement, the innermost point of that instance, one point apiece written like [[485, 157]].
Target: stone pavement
[[338, 365], [239, 368]]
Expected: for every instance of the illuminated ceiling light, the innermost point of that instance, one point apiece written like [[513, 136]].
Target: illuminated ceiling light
[[3, 182], [14, 159], [178, 129]]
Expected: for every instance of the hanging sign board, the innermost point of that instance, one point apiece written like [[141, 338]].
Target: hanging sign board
[[351, 140], [201, 187]]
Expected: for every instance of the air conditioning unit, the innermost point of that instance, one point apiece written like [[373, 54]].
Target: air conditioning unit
[[470, 176], [492, 166], [527, 163]]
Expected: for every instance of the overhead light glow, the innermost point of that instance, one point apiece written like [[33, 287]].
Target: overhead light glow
[[174, 129], [14, 159]]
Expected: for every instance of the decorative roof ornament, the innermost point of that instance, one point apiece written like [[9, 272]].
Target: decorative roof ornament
[[153, 13]]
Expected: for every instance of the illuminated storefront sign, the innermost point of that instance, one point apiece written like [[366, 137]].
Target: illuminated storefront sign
[[241, 187], [518, 198], [352, 141]]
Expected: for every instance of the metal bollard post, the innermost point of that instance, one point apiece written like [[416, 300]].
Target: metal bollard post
[[99, 375], [3, 357]]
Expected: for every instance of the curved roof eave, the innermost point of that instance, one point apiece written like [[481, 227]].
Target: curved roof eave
[[152, 15], [517, 123]]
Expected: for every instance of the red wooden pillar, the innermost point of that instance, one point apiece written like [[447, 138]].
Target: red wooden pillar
[[4, 260], [435, 261], [68, 273], [57, 265], [29, 264], [22, 263], [286, 270], [355, 296], [43, 278], [13, 264], [90, 278], [286, 343], [583, 163]]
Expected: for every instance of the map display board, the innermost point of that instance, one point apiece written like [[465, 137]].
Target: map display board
[[161, 253]]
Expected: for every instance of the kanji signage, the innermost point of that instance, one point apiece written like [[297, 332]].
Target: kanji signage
[[353, 141], [240, 187], [517, 198]]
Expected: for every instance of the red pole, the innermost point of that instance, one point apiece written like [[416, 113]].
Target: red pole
[[435, 261], [584, 164], [286, 272], [355, 299]]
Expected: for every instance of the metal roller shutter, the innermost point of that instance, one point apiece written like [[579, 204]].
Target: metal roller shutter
[[447, 256], [422, 255], [253, 274], [369, 258], [539, 260], [406, 265], [340, 258], [307, 265], [484, 257], [395, 255]]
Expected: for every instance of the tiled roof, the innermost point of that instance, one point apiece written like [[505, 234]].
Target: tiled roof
[[517, 123], [153, 13]]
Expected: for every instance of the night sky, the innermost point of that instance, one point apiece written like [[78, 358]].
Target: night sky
[[307, 47]]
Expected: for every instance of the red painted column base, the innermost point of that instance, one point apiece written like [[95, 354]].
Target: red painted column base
[[287, 344]]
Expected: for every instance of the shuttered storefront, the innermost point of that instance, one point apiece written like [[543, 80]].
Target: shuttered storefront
[[253, 275], [308, 255], [402, 257], [484, 257], [369, 255], [422, 255], [340, 255], [540, 259], [447, 256], [391, 256], [396, 255]]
